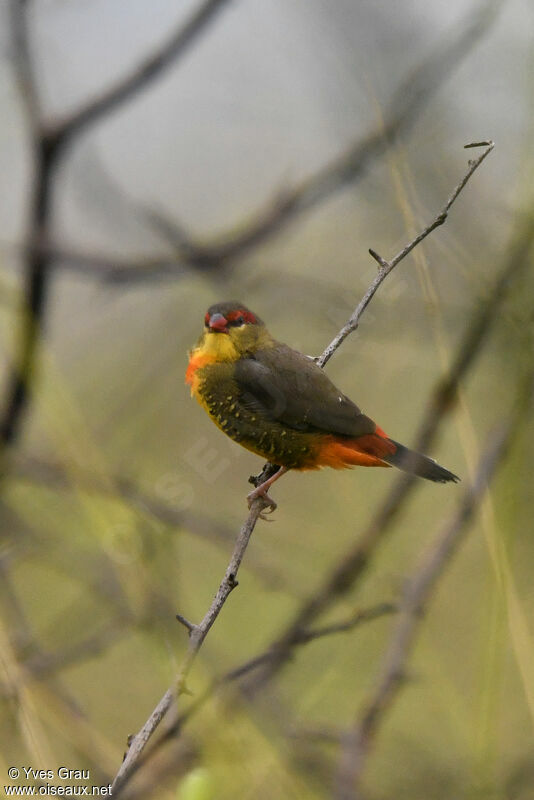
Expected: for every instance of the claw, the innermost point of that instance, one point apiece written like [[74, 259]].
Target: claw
[[270, 505], [269, 508], [261, 491]]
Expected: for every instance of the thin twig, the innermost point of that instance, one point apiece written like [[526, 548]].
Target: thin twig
[[385, 267], [344, 626], [197, 634], [358, 741], [367, 615]]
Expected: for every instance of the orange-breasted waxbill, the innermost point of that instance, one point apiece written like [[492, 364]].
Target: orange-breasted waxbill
[[278, 403]]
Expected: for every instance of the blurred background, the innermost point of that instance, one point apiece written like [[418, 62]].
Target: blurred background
[[258, 160]]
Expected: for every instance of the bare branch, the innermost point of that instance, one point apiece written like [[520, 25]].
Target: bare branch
[[185, 622], [354, 621], [140, 77], [106, 268], [367, 615], [48, 140], [387, 266], [197, 634], [431, 565], [35, 280]]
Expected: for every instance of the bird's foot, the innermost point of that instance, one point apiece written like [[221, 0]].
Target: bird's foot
[[269, 504]]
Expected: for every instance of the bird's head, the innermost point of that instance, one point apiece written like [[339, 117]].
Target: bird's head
[[231, 332]]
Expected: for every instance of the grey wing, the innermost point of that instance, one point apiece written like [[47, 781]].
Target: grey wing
[[286, 386]]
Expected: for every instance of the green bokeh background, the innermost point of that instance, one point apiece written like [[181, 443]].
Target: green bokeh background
[[269, 94]]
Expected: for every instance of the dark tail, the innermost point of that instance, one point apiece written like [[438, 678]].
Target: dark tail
[[417, 464]]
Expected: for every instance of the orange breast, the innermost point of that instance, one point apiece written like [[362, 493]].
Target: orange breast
[[196, 361]]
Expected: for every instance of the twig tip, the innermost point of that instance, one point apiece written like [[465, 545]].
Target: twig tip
[[382, 261], [185, 622], [485, 143]]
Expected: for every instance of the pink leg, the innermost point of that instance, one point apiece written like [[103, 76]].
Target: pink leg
[[261, 490]]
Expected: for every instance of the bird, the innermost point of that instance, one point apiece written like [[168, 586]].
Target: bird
[[279, 404]]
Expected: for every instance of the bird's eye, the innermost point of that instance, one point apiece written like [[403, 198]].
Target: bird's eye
[[236, 319]]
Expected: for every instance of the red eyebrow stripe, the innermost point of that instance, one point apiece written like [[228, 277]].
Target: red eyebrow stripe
[[247, 316]]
